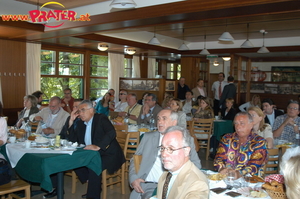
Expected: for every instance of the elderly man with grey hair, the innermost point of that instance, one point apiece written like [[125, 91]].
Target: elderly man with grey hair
[[53, 118], [145, 180], [182, 177]]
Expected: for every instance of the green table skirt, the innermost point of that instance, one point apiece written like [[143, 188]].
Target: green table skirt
[[222, 127]]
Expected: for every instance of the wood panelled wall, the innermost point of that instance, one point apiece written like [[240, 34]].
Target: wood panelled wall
[[13, 77]]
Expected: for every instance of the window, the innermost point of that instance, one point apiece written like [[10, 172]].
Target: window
[[170, 71], [127, 68], [98, 76], [178, 71], [156, 68], [60, 70]]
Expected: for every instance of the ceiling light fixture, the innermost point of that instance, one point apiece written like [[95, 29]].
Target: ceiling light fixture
[[247, 43], [183, 45], [226, 58], [263, 49], [226, 36], [123, 4], [216, 63], [102, 46], [204, 51], [130, 51], [154, 40]]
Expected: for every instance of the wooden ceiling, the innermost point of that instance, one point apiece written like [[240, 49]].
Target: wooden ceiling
[[279, 17]]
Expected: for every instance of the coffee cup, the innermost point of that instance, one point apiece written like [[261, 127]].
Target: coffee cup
[[27, 144], [12, 139]]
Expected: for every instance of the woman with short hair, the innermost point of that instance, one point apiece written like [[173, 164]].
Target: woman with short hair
[[29, 111]]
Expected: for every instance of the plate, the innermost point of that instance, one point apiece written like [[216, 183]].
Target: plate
[[80, 146], [40, 148], [251, 193], [68, 149]]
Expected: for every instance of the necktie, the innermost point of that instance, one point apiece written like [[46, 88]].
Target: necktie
[[220, 90], [166, 185]]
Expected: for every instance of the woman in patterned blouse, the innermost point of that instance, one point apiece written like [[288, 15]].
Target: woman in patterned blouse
[[243, 151]]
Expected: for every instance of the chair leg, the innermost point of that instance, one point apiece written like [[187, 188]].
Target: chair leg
[[104, 184], [27, 192], [123, 178], [74, 180]]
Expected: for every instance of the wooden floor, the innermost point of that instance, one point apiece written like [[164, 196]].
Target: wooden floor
[[112, 193]]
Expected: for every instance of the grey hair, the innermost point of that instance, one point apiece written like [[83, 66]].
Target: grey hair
[[55, 98], [32, 99], [184, 132], [133, 95], [294, 102], [174, 115], [291, 172], [88, 103], [250, 118]]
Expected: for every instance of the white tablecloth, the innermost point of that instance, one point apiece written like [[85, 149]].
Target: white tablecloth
[[16, 151]]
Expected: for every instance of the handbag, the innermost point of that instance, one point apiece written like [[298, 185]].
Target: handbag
[[5, 172]]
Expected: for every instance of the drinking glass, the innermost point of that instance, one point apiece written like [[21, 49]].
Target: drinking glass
[[230, 177]]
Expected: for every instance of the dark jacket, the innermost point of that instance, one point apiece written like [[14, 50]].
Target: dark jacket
[[229, 91], [230, 115], [32, 111]]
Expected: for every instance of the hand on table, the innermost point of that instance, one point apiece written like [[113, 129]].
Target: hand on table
[[92, 147], [48, 131], [136, 185]]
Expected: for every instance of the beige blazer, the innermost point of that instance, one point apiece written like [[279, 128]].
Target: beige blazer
[[190, 183], [197, 93]]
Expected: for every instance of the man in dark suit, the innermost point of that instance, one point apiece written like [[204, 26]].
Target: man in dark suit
[[149, 109], [98, 134], [228, 92], [269, 111]]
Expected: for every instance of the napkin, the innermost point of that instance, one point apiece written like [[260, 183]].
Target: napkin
[[277, 177]]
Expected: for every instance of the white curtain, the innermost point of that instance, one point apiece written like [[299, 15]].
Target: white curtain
[[136, 71], [151, 67], [115, 71], [33, 61]]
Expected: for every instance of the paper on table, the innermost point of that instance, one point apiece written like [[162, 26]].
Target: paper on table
[[16, 151]]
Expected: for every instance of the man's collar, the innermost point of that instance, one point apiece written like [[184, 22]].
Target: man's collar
[[89, 122]]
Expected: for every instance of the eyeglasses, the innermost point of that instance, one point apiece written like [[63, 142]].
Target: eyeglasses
[[169, 150], [123, 94], [83, 110], [293, 108]]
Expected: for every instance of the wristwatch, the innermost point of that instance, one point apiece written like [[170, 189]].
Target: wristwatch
[[67, 104]]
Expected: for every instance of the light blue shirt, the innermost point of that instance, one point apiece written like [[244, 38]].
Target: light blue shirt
[[88, 132]]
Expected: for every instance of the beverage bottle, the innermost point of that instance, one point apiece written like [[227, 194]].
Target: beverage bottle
[[152, 123]]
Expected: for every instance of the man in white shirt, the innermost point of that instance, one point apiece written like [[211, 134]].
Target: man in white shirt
[[269, 111], [145, 181], [217, 89], [122, 104]]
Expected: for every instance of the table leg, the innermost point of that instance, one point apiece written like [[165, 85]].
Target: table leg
[[60, 185]]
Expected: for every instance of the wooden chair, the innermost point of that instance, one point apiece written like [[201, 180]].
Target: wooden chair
[[201, 129], [14, 186], [272, 166], [74, 179], [34, 126], [132, 143], [137, 159], [123, 128], [119, 176]]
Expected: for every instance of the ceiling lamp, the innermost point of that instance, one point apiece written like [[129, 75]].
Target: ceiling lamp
[[226, 58], [102, 47], [247, 43], [154, 40], [226, 36], [130, 51], [263, 49], [122, 4], [204, 51], [183, 45], [216, 63]]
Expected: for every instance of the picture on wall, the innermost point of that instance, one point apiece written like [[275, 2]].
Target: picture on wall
[[139, 85], [271, 88], [126, 84], [296, 89], [285, 89], [152, 85], [170, 85], [257, 88]]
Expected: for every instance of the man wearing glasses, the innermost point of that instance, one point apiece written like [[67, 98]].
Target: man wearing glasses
[[97, 133], [122, 104], [68, 101], [182, 177], [286, 126], [145, 181]]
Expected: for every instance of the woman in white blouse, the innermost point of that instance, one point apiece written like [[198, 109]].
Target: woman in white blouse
[[260, 127], [254, 102], [176, 105]]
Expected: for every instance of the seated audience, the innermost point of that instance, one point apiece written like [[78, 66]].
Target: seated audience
[[182, 178], [67, 101], [149, 109], [141, 101], [3, 130], [53, 117], [167, 98], [270, 113], [188, 103], [133, 109], [29, 111], [229, 112], [243, 151], [287, 126], [254, 102], [176, 106], [103, 105], [145, 180], [204, 110], [260, 127], [122, 104], [39, 96], [289, 167]]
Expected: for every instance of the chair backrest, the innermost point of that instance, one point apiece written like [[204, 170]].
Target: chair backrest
[[122, 127], [272, 166], [131, 144], [121, 138], [34, 126], [201, 126], [137, 159]]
